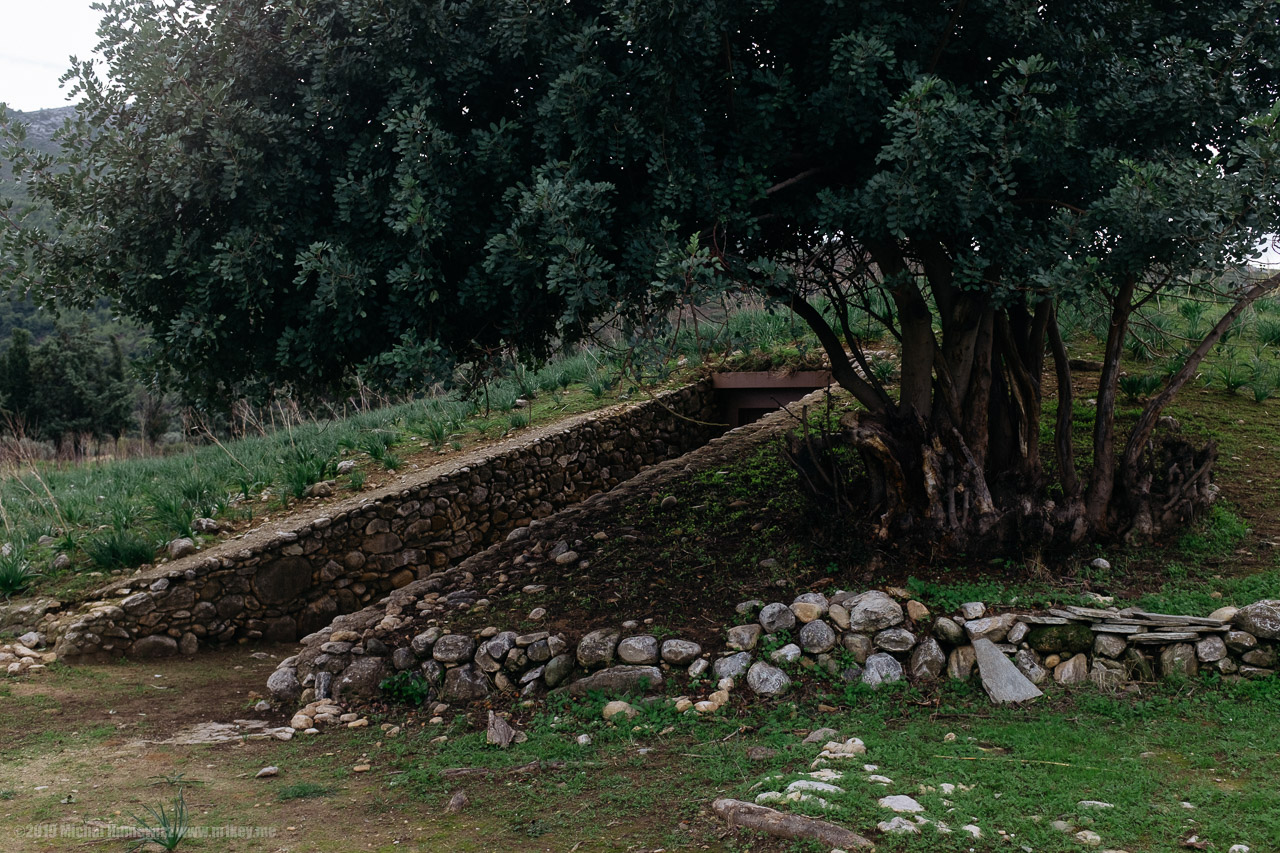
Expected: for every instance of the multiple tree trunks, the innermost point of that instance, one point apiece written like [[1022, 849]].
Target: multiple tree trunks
[[963, 471]]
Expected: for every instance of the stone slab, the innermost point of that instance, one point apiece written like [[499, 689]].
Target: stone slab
[[1000, 678]]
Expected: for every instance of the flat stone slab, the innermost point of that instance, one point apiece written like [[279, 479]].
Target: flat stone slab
[[1000, 678], [1044, 620], [1090, 612], [1069, 616], [1118, 628], [1170, 619], [1164, 637]]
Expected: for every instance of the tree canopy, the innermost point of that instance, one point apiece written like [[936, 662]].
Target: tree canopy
[[290, 191]]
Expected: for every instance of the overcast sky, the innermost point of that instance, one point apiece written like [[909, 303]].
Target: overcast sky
[[37, 37]]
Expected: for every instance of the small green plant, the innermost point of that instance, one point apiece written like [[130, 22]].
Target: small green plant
[[303, 466], [301, 791], [16, 573], [118, 549], [391, 461], [1231, 375], [8, 794], [160, 826], [1140, 386], [406, 688], [355, 479], [519, 420], [436, 432], [173, 513]]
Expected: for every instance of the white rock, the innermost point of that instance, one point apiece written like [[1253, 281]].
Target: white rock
[[584, 740], [617, 707], [815, 786], [1093, 804], [1089, 837], [268, 771], [826, 774], [1238, 848], [947, 788], [900, 803], [898, 826], [972, 830], [879, 780]]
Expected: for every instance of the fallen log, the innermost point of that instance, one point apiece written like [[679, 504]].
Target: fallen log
[[789, 826]]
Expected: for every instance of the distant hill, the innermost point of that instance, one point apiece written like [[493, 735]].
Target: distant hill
[[41, 125]]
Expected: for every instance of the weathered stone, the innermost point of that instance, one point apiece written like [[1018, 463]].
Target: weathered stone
[[961, 662], [873, 611], [403, 658], [858, 645], [500, 644], [743, 638], [643, 649], [881, 668], [816, 637], [1261, 619], [927, 661], [1179, 660], [993, 628], [282, 580], [1109, 645], [360, 680], [557, 669], [895, 640], [1107, 674], [917, 612], [1061, 639], [1018, 632], [454, 648], [1073, 671], [1262, 656], [1028, 663], [680, 652], [284, 685], [767, 680], [154, 646], [179, 548], [810, 606], [1241, 641], [790, 653], [1211, 649], [464, 683], [422, 643], [597, 648], [732, 666], [1000, 678], [948, 631], [972, 610], [618, 680], [776, 617], [900, 803], [837, 615], [189, 644]]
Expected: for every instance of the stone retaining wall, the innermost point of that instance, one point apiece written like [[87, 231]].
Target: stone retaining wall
[[295, 581]]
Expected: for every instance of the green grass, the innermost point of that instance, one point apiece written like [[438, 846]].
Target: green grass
[[302, 791], [1206, 743]]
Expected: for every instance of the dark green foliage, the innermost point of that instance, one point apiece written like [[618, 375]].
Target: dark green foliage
[[118, 549], [406, 688], [288, 195]]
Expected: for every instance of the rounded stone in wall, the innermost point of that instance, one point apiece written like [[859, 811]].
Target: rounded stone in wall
[[282, 580]]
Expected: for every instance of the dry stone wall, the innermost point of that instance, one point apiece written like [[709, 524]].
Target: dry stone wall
[[296, 581]]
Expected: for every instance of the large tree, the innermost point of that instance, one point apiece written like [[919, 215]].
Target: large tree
[[289, 190]]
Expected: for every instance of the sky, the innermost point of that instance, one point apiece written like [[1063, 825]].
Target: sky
[[37, 37]]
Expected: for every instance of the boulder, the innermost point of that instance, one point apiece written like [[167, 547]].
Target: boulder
[[360, 680], [776, 617], [680, 652], [895, 640], [642, 649], [881, 669], [464, 683], [873, 611], [284, 685], [927, 661], [154, 646], [767, 680], [1261, 619], [617, 680], [597, 648], [817, 638], [732, 666]]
